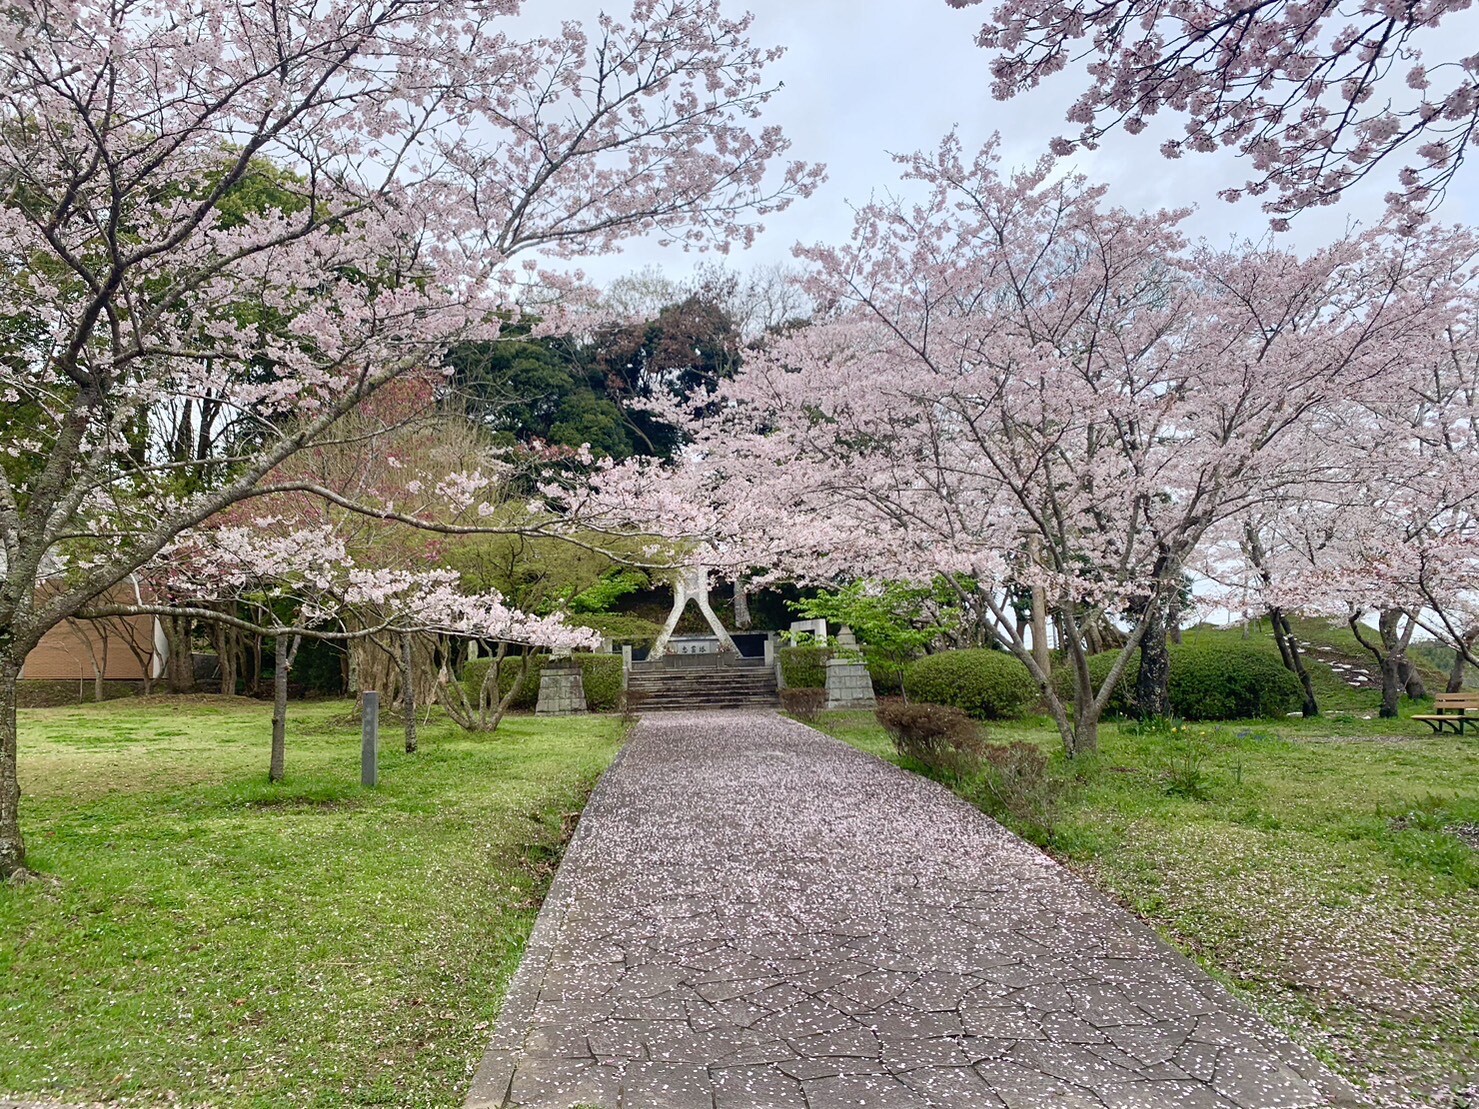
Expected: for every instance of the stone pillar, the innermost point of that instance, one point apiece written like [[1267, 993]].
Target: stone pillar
[[561, 690], [848, 684], [692, 584], [369, 753]]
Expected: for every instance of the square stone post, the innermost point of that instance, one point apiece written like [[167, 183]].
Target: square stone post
[[561, 689], [369, 750]]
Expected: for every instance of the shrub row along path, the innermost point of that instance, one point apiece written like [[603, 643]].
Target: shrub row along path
[[755, 916]]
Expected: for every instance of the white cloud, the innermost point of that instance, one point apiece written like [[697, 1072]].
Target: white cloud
[[866, 77]]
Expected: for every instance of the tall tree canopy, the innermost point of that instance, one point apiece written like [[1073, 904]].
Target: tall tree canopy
[[422, 146]]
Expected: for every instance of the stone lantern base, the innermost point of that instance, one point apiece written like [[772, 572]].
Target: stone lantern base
[[561, 691]]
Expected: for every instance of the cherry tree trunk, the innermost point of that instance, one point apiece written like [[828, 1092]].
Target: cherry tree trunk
[[377, 667], [180, 669], [742, 617], [1391, 687], [1085, 736], [1456, 674], [1293, 658], [12, 845], [408, 694], [1412, 680], [1040, 630], [228, 657], [1153, 684], [284, 653]]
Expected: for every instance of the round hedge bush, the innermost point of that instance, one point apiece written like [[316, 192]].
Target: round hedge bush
[[1119, 700], [989, 685], [600, 675], [1230, 681], [804, 667], [1222, 680]]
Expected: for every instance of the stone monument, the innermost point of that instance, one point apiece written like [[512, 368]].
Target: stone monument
[[848, 683], [692, 584], [561, 689]]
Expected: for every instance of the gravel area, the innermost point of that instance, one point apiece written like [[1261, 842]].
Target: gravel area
[[755, 916]]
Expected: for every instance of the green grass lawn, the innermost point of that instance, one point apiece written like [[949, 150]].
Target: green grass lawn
[[199, 935], [1325, 869]]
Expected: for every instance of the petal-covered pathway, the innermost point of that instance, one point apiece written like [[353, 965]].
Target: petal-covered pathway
[[755, 916]]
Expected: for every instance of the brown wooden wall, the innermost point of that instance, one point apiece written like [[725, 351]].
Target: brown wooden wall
[[63, 651]]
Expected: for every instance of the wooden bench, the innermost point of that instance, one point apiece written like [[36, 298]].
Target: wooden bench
[[1458, 711]]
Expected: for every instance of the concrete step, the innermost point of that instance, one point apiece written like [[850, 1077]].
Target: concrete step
[[701, 685], [698, 688], [705, 706]]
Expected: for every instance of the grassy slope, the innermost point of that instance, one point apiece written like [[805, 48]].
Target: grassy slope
[[1315, 868], [200, 934]]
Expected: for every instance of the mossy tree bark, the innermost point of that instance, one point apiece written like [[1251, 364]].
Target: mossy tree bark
[[12, 843], [1456, 674], [1152, 697]]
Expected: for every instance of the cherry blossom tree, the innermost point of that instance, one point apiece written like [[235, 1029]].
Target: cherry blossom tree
[[414, 149], [1386, 538], [298, 581], [1315, 96], [1024, 389]]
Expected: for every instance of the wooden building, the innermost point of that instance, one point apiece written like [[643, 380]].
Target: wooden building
[[122, 647]]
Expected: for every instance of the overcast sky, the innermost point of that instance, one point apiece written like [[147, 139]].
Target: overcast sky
[[864, 78]]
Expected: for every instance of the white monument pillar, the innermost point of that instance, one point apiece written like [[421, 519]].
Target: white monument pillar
[[692, 584]]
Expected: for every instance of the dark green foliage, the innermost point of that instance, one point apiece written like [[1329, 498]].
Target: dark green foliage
[[804, 667], [893, 622], [1221, 680], [1230, 681], [1099, 666], [989, 685], [888, 679], [600, 674], [524, 389], [940, 737], [620, 628], [570, 390], [613, 585], [804, 704], [319, 667]]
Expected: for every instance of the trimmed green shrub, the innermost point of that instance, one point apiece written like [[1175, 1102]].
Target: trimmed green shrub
[[621, 628], [1209, 681], [600, 674], [804, 667], [1230, 681], [888, 678], [989, 685], [1099, 665]]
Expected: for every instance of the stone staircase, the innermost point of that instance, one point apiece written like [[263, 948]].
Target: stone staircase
[[686, 687]]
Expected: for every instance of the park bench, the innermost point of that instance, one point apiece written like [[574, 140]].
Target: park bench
[[1453, 710]]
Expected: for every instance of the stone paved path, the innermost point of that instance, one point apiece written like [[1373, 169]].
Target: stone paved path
[[754, 916]]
